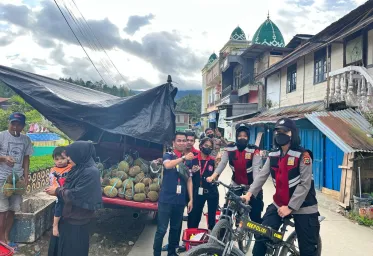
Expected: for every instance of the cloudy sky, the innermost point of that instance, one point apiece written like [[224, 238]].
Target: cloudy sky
[[145, 39]]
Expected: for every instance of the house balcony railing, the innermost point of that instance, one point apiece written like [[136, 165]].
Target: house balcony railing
[[352, 85], [246, 80], [226, 91]]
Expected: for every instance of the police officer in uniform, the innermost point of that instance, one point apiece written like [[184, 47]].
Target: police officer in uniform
[[245, 162], [203, 166], [290, 167]]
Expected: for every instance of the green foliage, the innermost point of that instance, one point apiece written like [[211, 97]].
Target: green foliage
[[5, 91], [192, 104], [40, 163], [361, 220], [100, 86], [369, 116]]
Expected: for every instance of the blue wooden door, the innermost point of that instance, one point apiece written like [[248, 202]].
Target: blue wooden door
[[312, 139], [333, 158]]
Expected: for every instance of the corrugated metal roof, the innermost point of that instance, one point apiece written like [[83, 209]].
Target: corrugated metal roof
[[294, 112], [347, 129]]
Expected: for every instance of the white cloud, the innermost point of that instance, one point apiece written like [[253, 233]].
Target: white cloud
[[202, 27]]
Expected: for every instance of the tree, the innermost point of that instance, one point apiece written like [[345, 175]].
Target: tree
[[190, 103]]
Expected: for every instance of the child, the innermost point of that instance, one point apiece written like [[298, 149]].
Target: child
[[57, 179]]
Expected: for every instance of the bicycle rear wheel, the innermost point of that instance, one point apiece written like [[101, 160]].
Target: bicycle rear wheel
[[293, 240], [210, 249], [245, 243]]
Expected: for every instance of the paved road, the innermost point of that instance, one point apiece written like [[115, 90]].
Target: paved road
[[340, 236]]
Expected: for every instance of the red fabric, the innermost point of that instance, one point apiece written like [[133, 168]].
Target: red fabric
[[195, 151], [178, 153], [282, 195], [239, 164]]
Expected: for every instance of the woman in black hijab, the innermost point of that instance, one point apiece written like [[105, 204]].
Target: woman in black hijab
[[81, 195]]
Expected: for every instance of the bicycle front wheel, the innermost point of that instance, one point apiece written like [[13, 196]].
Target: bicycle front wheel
[[210, 249], [222, 232], [245, 243], [294, 250]]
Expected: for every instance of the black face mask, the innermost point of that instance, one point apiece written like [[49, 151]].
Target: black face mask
[[210, 136], [206, 151], [241, 144], [282, 139]]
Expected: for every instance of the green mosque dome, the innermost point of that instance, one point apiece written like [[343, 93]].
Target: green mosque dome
[[238, 34], [269, 34]]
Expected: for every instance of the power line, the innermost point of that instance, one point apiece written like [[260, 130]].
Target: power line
[[98, 41], [79, 41], [74, 19]]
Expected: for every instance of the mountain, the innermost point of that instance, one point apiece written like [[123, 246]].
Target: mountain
[[180, 94]]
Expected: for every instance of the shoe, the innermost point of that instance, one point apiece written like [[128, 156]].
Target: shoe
[[165, 248], [181, 249]]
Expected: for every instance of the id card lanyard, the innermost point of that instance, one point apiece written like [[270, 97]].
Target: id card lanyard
[[202, 171]]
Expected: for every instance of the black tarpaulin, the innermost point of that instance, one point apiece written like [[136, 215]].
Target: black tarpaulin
[[81, 112]]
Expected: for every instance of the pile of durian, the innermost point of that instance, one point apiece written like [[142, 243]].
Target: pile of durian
[[131, 180], [13, 186]]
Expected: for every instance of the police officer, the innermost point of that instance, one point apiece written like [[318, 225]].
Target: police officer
[[203, 166], [290, 167], [245, 161]]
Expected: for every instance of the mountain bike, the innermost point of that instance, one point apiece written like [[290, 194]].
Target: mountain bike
[[276, 246], [230, 217]]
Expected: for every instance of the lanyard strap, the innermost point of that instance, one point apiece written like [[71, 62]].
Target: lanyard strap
[[202, 170]]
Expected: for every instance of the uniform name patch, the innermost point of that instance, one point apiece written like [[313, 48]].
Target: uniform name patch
[[291, 160], [248, 156]]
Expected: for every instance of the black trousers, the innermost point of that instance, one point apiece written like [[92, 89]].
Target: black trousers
[[212, 199], [307, 227], [256, 204], [173, 214]]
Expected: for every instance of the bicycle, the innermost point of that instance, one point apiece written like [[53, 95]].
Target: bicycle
[[226, 246], [223, 230]]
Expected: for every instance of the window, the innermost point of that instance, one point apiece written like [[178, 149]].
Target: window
[[292, 78], [237, 77], [320, 69]]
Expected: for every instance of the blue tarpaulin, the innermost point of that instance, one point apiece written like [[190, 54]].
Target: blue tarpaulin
[[44, 136]]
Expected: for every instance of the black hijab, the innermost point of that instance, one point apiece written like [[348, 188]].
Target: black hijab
[[83, 180]]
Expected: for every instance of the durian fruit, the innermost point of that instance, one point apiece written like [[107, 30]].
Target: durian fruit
[[140, 188], [139, 177], [116, 181], [153, 196], [105, 172], [121, 192], [123, 166], [114, 167], [109, 191], [154, 187], [122, 175], [8, 190], [146, 190], [10, 178], [147, 181], [156, 181], [107, 176], [128, 183], [114, 173], [20, 187], [143, 164], [139, 197], [134, 171], [100, 166], [105, 182], [128, 195]]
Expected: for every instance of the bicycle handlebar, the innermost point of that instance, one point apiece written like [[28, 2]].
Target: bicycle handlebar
[[237, 199]]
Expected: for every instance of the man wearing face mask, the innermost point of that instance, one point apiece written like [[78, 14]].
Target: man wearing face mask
[[245, 161], [218, 140], [290, 167]]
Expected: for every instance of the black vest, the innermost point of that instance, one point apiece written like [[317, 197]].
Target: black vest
[[286, 177], [241, 163]]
